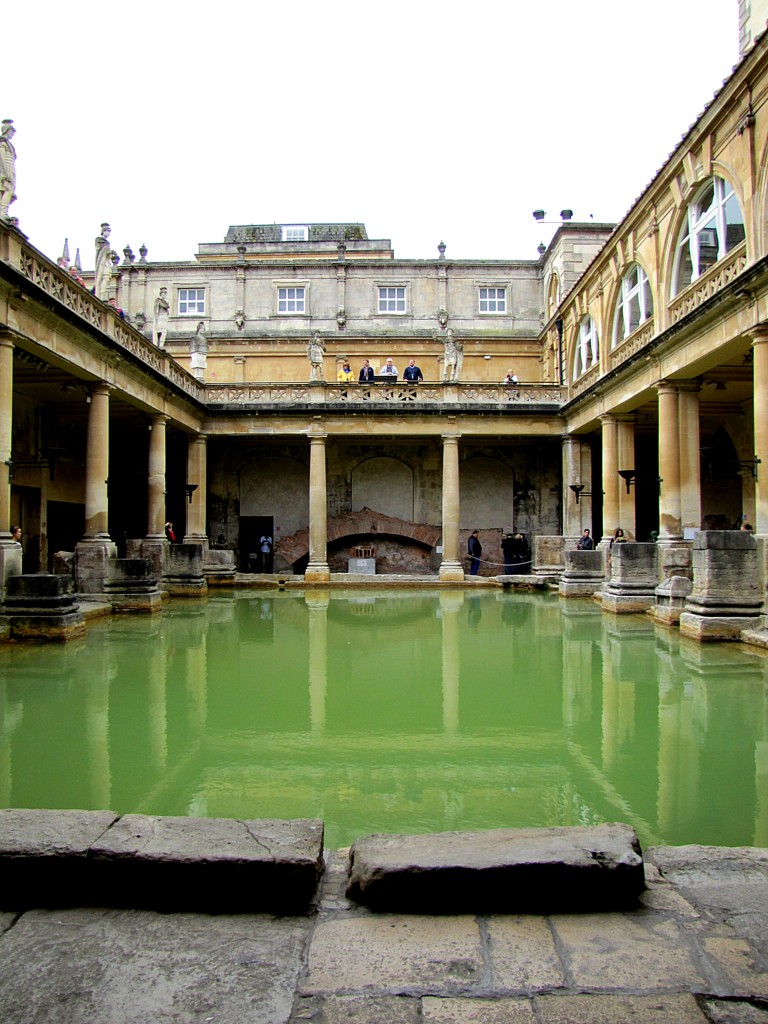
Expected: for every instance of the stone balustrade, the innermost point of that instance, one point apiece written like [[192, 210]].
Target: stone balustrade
[[477, 395]]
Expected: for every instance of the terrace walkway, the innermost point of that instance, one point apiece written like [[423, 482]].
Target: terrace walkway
[[696, 951]]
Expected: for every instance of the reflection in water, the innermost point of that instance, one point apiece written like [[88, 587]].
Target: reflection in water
[[394, 711]]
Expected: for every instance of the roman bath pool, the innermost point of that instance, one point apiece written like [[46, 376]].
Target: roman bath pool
[[395, 711]]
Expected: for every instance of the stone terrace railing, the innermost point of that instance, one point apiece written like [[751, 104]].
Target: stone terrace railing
[[384, 395], [712, 281], [59, 285]]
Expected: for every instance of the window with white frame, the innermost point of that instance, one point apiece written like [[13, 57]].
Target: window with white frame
[[191, 301], [587, 347], [295, 232], [714, 225], [291, 300], [493, 300], [635, 303], [392, 299]]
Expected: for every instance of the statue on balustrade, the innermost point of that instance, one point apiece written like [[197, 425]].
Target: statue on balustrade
[[162, 312], [7, 168], [103, 272], [454, 356], [315, 353]]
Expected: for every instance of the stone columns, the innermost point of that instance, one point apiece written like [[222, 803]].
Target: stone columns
[[197, 475], [690, 457], [97, 465], [670, 506], [575, 516], [92, 552], [451, 569], [760, 406], [317, 570], [10, 551], [625, 427], [611, 478], [156, 478]]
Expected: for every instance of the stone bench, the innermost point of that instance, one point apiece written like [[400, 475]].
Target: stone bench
[[533, 870], [215, 865]]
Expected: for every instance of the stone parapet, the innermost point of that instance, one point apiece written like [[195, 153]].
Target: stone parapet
[[528, 870], [40, 606], [634, 576], [584, 573], [215, 865], [726, 598]]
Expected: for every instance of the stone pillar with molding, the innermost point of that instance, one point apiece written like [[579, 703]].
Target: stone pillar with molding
[[10, 551], [451, 569], [197, 476], [760, 413], [670, 504], [317, 570], [690, 457], [625, 427], [156, 478], [577, 469], [611, 478], [92, 552]]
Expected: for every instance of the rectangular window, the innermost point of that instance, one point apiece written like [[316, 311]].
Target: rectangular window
[[191, 301], [295, 232], [493, 300], [392, 300], [290, 300]]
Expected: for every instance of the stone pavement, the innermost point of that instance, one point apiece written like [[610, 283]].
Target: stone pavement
[[696, 951]]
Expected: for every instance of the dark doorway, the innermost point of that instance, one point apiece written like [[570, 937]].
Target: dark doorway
[[66, 526], [252, 529]]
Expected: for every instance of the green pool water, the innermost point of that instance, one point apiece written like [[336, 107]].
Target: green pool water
[[403, 711]]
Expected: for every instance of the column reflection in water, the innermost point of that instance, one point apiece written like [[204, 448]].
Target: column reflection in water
[[451, 602], [317, 606]]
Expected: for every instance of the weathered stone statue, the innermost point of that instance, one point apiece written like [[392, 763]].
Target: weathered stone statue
[[7, 168], [162, 313], [103, 271], [454, 357], [315, 353]]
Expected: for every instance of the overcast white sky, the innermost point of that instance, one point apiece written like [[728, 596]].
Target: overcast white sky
[[425, 120]]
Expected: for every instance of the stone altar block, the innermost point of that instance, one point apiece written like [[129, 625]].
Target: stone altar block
[[584, 573]]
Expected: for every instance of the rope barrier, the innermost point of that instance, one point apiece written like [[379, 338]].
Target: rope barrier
[[487, 561]]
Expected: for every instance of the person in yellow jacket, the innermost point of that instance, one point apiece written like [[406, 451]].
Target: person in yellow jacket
[[344, 375]]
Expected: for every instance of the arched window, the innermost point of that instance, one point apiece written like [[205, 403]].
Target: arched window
[[553, 296], [635, 304], [587, 347], [714, 225]]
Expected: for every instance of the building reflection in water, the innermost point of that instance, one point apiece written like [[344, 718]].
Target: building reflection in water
[[394, 711]]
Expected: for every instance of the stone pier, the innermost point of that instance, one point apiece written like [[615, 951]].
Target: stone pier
[[633, 579], [584, 573], [42, 607], [726, 597], [131, 585], [184, 576]]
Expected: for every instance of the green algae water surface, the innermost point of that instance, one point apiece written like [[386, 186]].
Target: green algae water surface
[[395, 711]]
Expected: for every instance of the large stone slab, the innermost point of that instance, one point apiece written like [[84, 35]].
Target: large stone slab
[[537, 870], [218, 865], [43, 856]]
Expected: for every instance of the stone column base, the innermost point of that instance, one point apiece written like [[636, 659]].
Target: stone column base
[[716, 627], [317, 572], [757, 635], [451, 572], [670, 600], [627, 603], [10, 563], [580, 587], [91, 555]]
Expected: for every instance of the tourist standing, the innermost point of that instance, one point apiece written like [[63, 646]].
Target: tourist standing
[[412, 373], [475, 549]]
